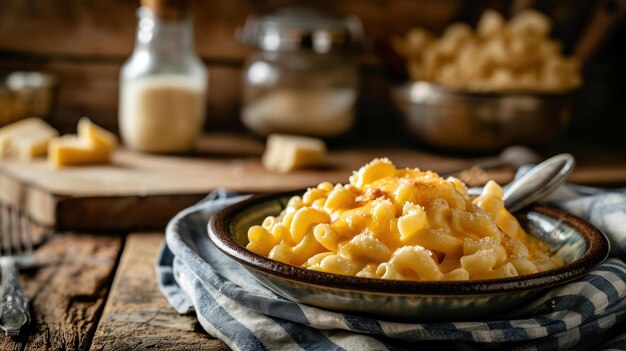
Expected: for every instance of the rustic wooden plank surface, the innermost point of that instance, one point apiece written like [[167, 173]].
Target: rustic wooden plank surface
[[140, 191], [137, 316], [67, 298], [133, 173], [76, 27]]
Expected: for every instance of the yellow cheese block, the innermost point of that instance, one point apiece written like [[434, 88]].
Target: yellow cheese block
[[99, 136], [284, 153], [26, 138], [92, 145], [73, 150]]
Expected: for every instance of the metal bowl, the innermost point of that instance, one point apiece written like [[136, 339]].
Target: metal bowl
[[481, 122]]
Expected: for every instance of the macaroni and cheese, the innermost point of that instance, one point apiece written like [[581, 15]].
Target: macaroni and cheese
[[401, 224]]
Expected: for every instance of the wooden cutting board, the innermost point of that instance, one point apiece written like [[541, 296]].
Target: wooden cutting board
[[142, 191]]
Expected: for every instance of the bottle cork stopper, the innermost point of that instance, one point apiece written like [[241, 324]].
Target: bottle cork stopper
[[168, 9]]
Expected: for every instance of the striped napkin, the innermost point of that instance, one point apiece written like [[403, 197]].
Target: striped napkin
[[231, 305]]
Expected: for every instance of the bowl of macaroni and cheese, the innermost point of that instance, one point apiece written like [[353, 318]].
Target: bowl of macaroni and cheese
[[405, 244]]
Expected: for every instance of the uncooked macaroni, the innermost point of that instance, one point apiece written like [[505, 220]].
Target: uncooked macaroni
[[401, 224], [500, 55]]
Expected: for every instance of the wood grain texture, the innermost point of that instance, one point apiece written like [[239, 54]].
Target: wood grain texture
[[67, 298], [77, 27], [137, 316], [137, 174], [140, 191]]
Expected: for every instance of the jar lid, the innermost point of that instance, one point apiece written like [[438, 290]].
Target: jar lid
[[293, 29], [29, 80]]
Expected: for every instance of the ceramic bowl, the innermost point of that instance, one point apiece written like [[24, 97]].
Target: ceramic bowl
[[578, 243]]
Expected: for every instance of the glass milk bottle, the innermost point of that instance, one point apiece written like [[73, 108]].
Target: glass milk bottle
[[163, 84]]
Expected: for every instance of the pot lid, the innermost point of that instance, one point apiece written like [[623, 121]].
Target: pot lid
[[293, 29]]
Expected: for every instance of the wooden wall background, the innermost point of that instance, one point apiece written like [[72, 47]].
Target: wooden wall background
[[84, 43]]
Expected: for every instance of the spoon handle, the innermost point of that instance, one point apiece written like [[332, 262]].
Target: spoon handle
[[537, 183], [15, 312]]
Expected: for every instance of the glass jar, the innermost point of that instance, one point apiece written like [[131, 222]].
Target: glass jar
[[303, 79], [33, 94], [163, 84]]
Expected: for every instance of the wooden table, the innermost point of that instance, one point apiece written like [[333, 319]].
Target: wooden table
[[103, 295]]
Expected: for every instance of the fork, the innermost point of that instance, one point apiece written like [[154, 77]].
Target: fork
[[15, 249]]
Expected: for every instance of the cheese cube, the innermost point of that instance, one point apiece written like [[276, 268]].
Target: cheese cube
[[26, 138], [99, 136], [284, 153], [92, 145], [73, 150]]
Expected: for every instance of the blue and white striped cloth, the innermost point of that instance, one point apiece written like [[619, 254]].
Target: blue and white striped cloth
[[232, 306]]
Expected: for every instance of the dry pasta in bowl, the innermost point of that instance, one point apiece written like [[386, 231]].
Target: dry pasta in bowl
[[502, 83], [498, 56], [404, 244]]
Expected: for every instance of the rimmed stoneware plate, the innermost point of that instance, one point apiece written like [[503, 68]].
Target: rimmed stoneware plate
[[579, 244]]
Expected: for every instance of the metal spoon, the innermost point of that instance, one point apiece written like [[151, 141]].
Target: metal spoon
[[539, 182]]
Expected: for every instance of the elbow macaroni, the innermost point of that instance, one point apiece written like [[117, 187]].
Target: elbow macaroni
[[401, 224]]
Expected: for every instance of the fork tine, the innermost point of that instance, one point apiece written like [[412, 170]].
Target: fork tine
[[16, 228], [26, 232], [2, 223], [6, 244]]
